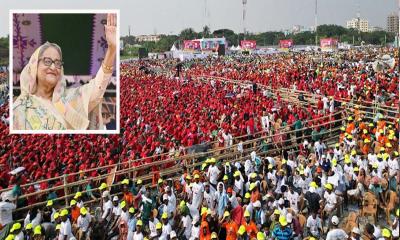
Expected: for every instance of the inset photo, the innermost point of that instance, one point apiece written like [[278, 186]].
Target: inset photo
[[64, 71]]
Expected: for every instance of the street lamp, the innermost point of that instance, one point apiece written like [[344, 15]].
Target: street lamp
[[244, 2]]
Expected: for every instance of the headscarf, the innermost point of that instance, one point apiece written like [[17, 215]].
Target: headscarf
[[71, 104]]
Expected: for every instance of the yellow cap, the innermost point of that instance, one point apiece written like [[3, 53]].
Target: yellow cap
[[139, 223], [260, 236], [342, 128], [356, 169], [375, 165], [380, 130], [388, 144], [270, 166], [398, 212], [353, 152], [334, 162], [28, 226], [247, 195], [283, 161], [131, 210], [182, 204], [365, 131], [347, 160], [139, 181], [301, 172], [247, 213], [203, 210], [337, 145], [382, 149], [225, 177], [313, 184], [253, 175], [125, 181], [49, 203], [214, 235], [328, 186], [103, 186], [252, 186], [160, 181], [396, 153], [386, 233], [188, 177], [15, 226], [77, 195], [64, 212], [277, 212], [349, 119], [122, 204], [282, 221], [56, 215], [83, 211], [73, 202], [367, 140], [391, 137], [236, 174], [37, 230], [164, 215], [196, 176], [10, 237], [158, 225], [346, 157], [370, 125], [312, 238], [212, 160], [241, 230], [58, 226], [226, 214]]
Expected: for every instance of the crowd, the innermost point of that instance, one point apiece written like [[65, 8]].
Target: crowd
[[297, 196]]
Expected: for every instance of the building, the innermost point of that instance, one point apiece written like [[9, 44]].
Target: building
[[359, 24], [148, 38], [375, 29], [393, 23]]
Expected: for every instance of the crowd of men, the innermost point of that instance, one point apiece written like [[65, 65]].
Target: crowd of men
[[299, 195]]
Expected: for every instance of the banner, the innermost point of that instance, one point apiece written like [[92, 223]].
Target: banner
[[248, 44], [286, 43], [191, 45], [328, 43]]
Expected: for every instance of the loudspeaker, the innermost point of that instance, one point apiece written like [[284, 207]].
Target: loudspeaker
[[221, 50], [142, 53]]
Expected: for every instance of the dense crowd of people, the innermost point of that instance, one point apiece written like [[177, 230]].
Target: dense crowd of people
[[295, 196]]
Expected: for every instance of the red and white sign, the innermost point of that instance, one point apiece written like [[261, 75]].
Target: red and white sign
[[286, 43], [328, 42], [191, 45], [248, 44]]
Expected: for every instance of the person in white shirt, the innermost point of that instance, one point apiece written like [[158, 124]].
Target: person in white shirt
[[314, 225], [330, 199], [209, 196], [107, 206], [213, 173], [166, 228], [195, 233], [34, 216], [6, 209], [84, 222], [198, 190], [66, 230], [238, 183], [138, 235], [336, 233]]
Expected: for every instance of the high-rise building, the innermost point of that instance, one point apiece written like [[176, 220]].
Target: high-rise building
[[359, 24], [393, 23]]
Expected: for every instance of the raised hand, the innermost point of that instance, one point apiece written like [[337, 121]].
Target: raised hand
[[110, 30]]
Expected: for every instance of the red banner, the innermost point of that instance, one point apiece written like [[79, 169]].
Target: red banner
[[286, 43], [328, 42], [191, 45], [248, 44]]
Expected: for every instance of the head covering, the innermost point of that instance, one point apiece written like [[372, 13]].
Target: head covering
[[335, 220], [64, 100]]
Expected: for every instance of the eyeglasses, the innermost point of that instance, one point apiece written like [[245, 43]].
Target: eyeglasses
[[48, 62]]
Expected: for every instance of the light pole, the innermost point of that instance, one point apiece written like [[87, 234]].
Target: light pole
[[315, 22], [244, 2]]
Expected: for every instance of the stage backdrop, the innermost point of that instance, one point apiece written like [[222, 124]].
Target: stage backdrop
[[80, 36]]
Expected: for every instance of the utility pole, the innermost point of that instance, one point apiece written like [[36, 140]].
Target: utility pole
[[244, 2], [315, 22], [129, 30]]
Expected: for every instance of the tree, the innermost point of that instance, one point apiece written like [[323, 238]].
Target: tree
[[188, 34], [206, 32]]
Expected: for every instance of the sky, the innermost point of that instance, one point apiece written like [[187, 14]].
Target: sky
[[171, 16]]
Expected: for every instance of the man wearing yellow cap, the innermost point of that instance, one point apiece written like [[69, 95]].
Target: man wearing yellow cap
[[249, 225], [66, 228], [84, 224], [197, 191], [330, 199], [16, 230], [230, 226], [282, 231]]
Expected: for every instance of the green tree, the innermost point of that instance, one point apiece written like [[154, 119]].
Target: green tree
[[188, 34]]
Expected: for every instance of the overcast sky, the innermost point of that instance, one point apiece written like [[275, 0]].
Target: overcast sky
[[171, 16]]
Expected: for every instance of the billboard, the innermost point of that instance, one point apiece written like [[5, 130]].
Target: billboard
[[286, 43], [204, 44], [328, 44], [248, 44], [191, 45]]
